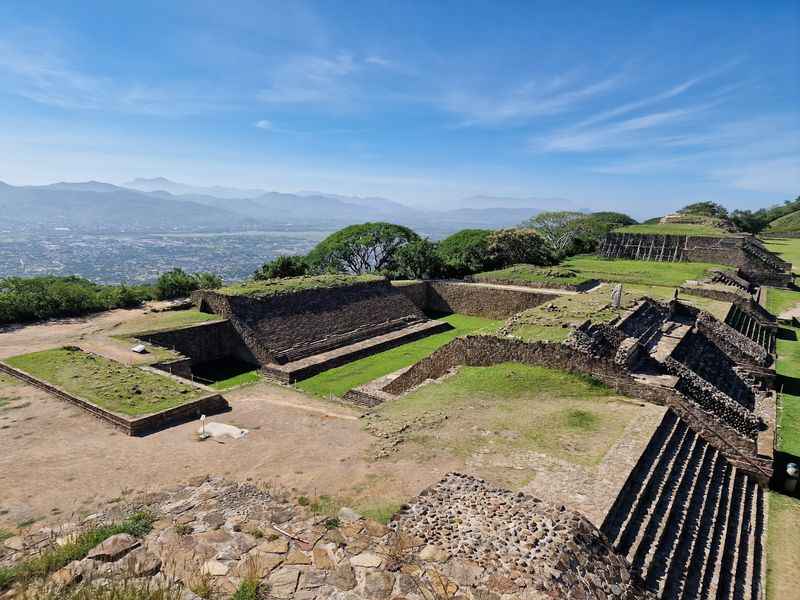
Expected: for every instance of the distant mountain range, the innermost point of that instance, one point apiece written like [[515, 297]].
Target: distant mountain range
[[159, 204]]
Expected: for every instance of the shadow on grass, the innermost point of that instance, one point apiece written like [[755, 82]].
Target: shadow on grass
[[789, 384], [222, 369], [785, 333]]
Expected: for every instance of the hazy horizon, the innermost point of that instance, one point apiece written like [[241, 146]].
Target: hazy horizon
[[633, 107]]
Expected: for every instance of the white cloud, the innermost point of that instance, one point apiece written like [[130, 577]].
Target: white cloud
[[310, 79], [526, 101], [777, 176], [264, 124], [35, 68], [621, 134]]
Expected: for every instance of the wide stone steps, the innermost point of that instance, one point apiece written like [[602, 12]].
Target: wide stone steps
[[690, 523]]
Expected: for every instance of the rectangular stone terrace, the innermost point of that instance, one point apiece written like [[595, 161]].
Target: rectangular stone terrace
[[136, 400]]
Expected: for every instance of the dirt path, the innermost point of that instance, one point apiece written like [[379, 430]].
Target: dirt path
[[91, 330]]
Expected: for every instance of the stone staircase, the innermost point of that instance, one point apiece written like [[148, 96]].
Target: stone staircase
[[731, 279], [749, 326], [691, 524]]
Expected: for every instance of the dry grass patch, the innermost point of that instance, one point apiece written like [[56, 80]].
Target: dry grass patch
[[505, 409]]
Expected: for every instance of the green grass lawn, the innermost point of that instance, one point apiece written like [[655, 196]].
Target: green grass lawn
[[111, 385], [674, 229], [226, 373], [783, 546], [289, 285], [341, 379], [787, 248], [510, 408], [554, 321], [779, 300], [523, 274], [642, 272], [788, 369]]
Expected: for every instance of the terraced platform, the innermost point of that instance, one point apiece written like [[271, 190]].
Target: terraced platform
[[691, 524], [308, 366]]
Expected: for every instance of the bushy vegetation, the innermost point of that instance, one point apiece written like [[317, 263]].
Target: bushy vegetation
[[33, 298], [283, 266], [177, 283], [24, 299], [758, 220], [705, 209], [465, 252]]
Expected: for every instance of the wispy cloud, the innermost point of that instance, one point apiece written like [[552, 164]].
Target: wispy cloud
[[532, 99], [628, 133], [311, 79], [35, 71], [778, 176]]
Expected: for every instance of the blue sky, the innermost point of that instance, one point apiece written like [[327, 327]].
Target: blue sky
[[638, 106]]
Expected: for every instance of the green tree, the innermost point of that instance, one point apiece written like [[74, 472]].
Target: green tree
[[417, 259], [178, 283], [558, 228], [516, 246], [705, 209], [360, 249], [465, 252], [283, 266]]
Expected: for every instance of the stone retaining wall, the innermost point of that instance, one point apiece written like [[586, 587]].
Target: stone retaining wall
[[484, 351], [286, 327], [203, 342], [133, 426], [477, 299], [748, 254]]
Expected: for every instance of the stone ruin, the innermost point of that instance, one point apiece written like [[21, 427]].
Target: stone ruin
[[515, 547], [746, 253]]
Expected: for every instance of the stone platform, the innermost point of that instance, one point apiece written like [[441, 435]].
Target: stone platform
[[311, 365]]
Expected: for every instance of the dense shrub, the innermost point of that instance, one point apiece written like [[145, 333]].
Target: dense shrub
[[283, 266], [178, 283], [465, 252], [518, 246], [359, 249], [33, 298], [417, 259]]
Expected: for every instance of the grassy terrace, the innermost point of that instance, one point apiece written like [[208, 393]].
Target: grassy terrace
[[341, 379], [111, 385], [674, 229], [554, 321], [536, 409], [638, 271], [290, 285], [787, 248], [525, 274]]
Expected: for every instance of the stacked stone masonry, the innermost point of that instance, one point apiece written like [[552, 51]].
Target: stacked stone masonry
[[284, 328], [518, 538], [754, 262], [657, 353], [476, 299], [691, 523], [223, 532], [752, 324]]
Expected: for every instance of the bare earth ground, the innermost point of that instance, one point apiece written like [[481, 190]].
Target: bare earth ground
[[58, 461]]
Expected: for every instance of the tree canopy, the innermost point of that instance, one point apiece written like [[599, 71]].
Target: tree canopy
[[178, 283], [359, 249], [518, 246], [283, 266], [705, 209]]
